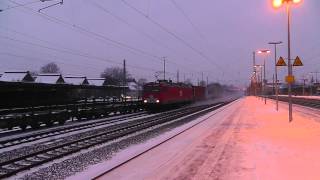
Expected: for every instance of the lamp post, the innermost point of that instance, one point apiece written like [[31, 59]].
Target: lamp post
[[276, 72], [265, 51], [289, 3]]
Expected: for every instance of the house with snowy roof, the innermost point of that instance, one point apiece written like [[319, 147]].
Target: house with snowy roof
[[50, 79], [17, 76], [97, 81], [76, 80]]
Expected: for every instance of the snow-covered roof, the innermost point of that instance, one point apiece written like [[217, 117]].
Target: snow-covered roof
[[50, 79], [76, 80], [16, 76], [97, 81], [133, 86]]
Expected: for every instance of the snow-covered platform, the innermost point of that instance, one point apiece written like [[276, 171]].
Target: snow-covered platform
[[246, 140]]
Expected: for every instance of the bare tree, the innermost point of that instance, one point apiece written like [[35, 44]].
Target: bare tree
[[50, 68], [114, 75]]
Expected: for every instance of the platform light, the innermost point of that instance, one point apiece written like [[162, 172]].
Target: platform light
[[279, 3], [297, 1], [157, 101], [288, 3], [145, 101], [263, 51]]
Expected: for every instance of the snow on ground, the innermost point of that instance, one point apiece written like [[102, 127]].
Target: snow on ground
[[247, 140], [132, 151]]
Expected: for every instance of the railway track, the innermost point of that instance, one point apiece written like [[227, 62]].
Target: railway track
[[8, 142], [33, 159], [313, 103]]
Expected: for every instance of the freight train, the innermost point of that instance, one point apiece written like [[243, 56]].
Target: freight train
[[33, 104], [163, 94]]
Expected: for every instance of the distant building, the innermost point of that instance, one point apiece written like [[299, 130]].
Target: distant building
[[50, 79], [76, 80], [17, 76], [97, 81]]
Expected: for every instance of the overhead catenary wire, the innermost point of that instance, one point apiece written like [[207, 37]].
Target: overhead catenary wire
[[98, 36], [172, 34], [48, 60], [79, 29], [73, 53], [84, 31], [196, 29], [72, 26], [20, 5], [95, 4]]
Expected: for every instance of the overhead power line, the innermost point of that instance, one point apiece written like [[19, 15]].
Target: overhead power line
[[196, 29], [19, 5], [82, 30], [74, 53], [172, 34], [91, 34], [48, 60], [103, 9]]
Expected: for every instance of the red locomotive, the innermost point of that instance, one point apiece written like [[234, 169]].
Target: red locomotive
[[166, 93]]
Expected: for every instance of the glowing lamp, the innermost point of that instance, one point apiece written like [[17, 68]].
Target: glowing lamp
[[296, 1], [277, 3]]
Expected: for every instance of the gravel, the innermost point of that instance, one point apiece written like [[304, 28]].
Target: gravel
[[75, 164], [25, 150]]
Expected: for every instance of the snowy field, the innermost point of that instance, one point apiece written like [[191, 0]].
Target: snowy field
[[246, 140]]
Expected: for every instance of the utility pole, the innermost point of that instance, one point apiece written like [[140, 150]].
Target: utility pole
[[317, 85], [254, 61], [276, 73], [316, 73], [202, 78], [164, 68], [178, 76], [264, 81], [255, 72], [304, 85], [273, 89], [207, 81], [124, 80], [289, 64]]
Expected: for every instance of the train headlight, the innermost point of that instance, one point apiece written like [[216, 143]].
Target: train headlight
[[157, 101], [145, 101]]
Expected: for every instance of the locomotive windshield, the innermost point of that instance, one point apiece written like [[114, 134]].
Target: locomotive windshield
[[150, 88]]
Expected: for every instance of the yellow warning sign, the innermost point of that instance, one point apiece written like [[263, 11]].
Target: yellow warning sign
[[281, 62], [290, 79], [297, 62]]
